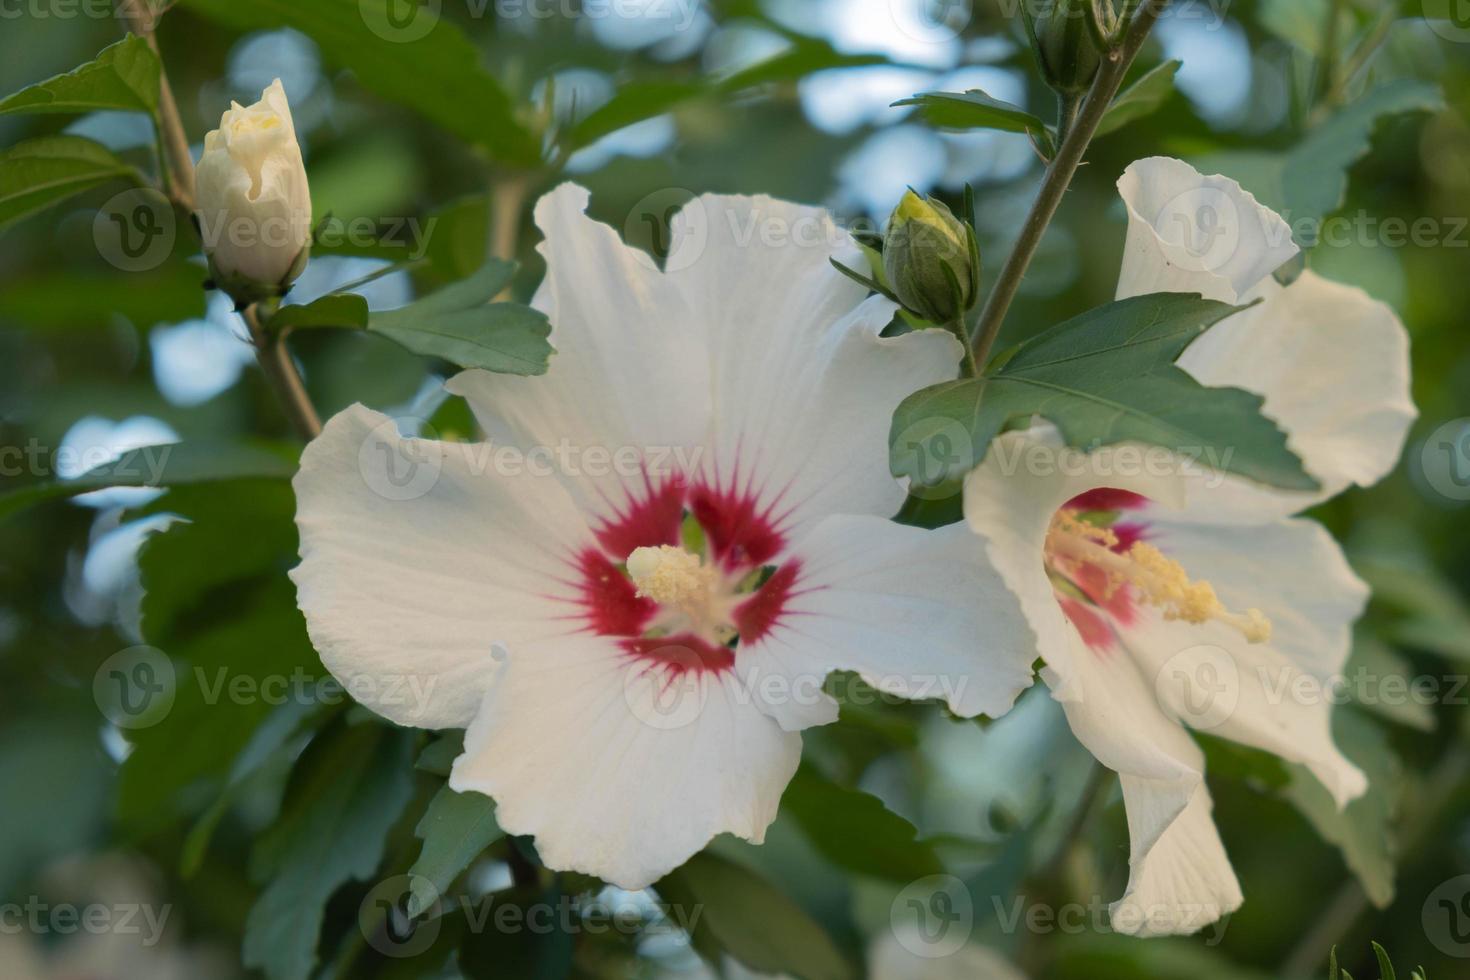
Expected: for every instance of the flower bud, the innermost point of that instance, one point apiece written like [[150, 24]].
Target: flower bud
[[254, 206], [929, 259], [1063, 42]]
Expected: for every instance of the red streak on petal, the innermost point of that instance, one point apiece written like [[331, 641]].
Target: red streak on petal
[[1096, 632], [758, 615], [1107, 498], [610, 601], [681, 653], [739, 533], [649, 519]]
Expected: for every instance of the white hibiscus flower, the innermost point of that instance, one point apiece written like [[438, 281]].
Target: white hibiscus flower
[[1187, 597], [560, 612]]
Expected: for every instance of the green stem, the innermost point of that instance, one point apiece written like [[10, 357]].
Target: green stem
[[1059, 175], [280, 371], [968, 367]]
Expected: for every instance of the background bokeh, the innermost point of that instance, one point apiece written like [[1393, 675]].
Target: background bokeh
[[96, 359]]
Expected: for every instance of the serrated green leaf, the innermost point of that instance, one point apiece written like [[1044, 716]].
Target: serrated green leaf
[[461, 325], [1141, 98], [856, 831], [731, 910], [974, 109], [123, 77], [333, 310], [1363, 830], [38, 173], [1104, 377], [175, 464], [1309, 182], [405, 52], [350, 788], [455, 830]]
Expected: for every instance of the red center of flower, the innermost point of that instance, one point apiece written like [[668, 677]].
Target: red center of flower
[[744, 597]]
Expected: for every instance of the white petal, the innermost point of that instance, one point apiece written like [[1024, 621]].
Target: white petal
[[1010, 500], [1179, 877], [1276, 695], [1333, 366], [416, 564], [915, 613], [1191, 233], [1183, 882], [804, 387], [755, 361], [618, 770]]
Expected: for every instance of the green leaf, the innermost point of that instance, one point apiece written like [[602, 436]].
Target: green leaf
[[333, 310], [1309, 182], [405, 52], [229, 673], [124, 77], [217, 601], [439, 755], [1141, 98], [461, 325], [1363, 830], [455, 830], [975, 109], [856, 831], [642, 100], [1385, 965], [1433, 616], [1394, 681], [226, 533], [349, 790], [175, 464], [730, 909], [1104, 377], [38, 173], [269, 753]]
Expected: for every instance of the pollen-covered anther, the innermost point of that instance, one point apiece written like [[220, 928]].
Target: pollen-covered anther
[[670, 576], [1156, 579]]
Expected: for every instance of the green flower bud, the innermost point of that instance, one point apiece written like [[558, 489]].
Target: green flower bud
[[930, 260], [1063, 42]]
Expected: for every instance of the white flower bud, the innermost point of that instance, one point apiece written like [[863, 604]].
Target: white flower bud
[[254, 205]]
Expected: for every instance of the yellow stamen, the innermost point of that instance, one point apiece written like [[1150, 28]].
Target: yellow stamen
[[670, 576], [1158, 579]]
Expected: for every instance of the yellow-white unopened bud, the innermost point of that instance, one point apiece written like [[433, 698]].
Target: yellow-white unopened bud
[[254, 206]]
